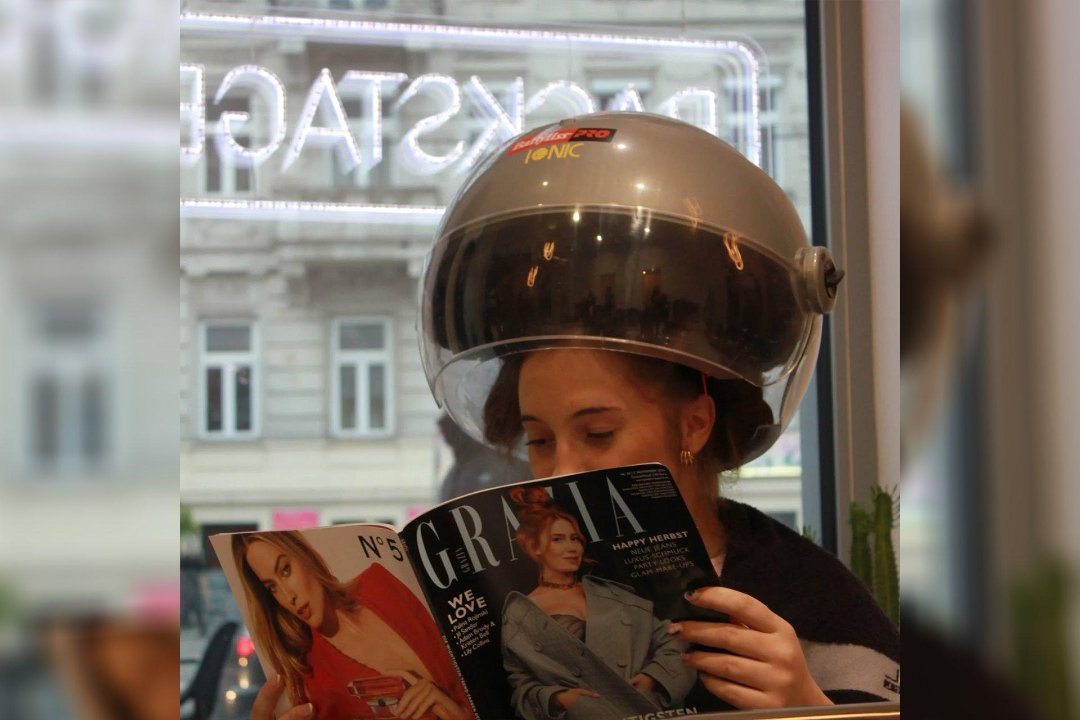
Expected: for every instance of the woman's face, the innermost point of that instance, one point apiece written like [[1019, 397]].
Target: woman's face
[[564, 548], [582, 410], [288, 579]]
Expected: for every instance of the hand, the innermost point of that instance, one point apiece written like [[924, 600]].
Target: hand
[[643, 682], [567, 698], [766, 669], [267, 700], [422, 697]]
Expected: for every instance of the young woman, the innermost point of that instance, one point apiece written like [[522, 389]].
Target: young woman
[[332, 642], [697, 357], [605, 655]]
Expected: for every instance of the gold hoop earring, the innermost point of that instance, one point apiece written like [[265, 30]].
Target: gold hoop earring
[[686, 457]]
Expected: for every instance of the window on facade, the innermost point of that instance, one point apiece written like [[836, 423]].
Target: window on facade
[[362, 370], [72, 429], [228, 370]]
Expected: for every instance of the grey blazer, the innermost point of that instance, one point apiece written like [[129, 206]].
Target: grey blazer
[[622, 638]]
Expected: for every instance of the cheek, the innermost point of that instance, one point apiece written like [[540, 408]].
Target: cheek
[[540, 466], [650, 442], [314, 591]]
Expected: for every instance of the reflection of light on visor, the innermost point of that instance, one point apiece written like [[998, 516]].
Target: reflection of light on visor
[[734, 307], [732, 245]]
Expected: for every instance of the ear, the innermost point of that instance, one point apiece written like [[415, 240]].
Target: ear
[[696, 421]]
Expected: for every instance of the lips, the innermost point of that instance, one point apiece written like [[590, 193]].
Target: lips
[[304, 613]]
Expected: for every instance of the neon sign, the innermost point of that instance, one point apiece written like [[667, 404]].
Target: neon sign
[[323, 121]]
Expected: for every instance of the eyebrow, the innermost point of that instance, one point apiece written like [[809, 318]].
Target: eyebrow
[[595, 410]]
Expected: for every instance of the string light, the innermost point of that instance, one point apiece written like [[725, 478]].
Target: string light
[[504, 124], [286, 210], [707, 100], [270, 88], [446, 89], [374, 82], [627, 99], [195, 113], [323, 97], [575, 99], [364, 32]]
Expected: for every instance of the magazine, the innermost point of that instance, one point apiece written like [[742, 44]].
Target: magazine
[[544, 599]]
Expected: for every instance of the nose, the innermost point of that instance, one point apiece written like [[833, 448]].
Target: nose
[[569, 458]]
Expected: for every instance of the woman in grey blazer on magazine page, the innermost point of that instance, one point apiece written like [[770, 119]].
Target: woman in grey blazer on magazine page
[[582, 647]]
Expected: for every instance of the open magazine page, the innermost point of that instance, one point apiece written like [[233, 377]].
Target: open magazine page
[[555, 595], [338, 613]]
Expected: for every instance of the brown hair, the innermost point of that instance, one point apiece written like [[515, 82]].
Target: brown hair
[[537, 512], [285, 638], [740, 408]]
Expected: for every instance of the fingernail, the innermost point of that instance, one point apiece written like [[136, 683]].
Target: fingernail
[[685, 657], [690, 594], [674, 629]]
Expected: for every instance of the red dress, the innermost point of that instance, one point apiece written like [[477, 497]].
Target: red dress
[[333, 672]]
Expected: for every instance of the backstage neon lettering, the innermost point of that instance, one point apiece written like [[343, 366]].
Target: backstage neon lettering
[[323, 121], [453, 104]]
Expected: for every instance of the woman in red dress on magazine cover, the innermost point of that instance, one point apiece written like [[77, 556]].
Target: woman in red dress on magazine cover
[[362, 648]]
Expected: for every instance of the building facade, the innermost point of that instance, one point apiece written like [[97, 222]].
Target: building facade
[[331, 145]]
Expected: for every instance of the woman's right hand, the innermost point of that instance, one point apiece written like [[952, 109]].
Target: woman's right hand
[[267, 700], [567, 698]]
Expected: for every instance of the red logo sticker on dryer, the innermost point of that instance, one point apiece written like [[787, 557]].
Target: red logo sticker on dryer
[[552, 136]]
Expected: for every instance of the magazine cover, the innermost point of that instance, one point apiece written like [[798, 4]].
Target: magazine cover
[[544, 599], [338, 613], [555, 595]]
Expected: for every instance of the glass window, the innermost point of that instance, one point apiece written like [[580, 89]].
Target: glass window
[[361, 357], [338, 246], [228, 338], [229, 373], [73, 422], [361, 336]]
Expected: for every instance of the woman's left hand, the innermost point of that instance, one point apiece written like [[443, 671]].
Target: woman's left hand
[[422, 696], [765, 668]]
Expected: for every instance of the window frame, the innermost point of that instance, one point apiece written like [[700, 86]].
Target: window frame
[[69, 364], [228, 362], [362, 359]]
